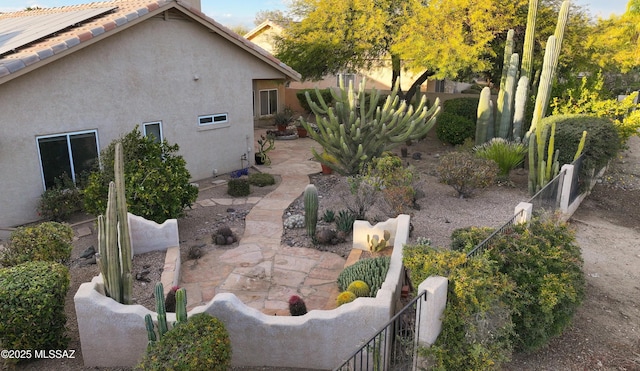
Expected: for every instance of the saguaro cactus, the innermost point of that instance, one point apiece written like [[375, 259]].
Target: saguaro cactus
[[311, 209], [356, 129], [114, 243], [519, 107], [485, 117]]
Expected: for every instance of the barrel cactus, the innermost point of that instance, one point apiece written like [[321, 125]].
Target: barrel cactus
[[345, 297], [359, 288]]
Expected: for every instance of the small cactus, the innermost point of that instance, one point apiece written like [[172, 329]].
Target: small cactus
[[359, 288], [311, 209], [297, 307], [181, 312], [376, 244], [345, 297]]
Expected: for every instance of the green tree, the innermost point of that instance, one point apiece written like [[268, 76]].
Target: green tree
[[156, 179], [277, 16], [438, 38]]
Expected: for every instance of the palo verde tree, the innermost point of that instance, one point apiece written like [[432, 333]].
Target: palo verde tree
[[436, 38]]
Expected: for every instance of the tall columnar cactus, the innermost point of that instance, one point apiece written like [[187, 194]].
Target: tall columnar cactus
[[506, 62], [544, 87], [485, 116], [356, 129], [163, 327], [509, 89], [311, 209], [520, 107], [114, 243], [529, 36]]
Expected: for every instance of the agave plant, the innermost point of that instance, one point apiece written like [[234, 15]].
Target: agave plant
[[505, 153]]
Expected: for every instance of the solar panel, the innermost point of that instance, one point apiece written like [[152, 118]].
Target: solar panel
[[20, 31]]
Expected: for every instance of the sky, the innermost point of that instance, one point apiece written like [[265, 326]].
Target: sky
[[242, 12]]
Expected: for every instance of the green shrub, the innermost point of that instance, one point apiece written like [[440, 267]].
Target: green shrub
[[201, 343], [261, 179], [238, 187], [454, 129], [156, 179], [465, 239], [32, 296], [477, 327], [546, 265], [507, 155], [60, 201], [372, 271], [465, 172], [465, 107], [48, 241], [326, 96], [601, 145], [394, 180]]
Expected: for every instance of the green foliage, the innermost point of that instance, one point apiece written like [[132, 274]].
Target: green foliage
[[372, 271], [465, 239], [345, 297], [545, 263], [354, 135], [377, 244], [465, 172], [261, 179], [477, 327], [163, 327], [328, 216], [454, 129], [33, 298], [602, 142], [266, 144], [588, 99], [156, 178], [201, 343], [345, 220], [359, 288], [304, 103], [48, 241], [60, 201], [388, 175], [507, 155], [238, 187], [466, 107]]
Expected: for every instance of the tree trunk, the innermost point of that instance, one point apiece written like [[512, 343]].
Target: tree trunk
[[416, 84]]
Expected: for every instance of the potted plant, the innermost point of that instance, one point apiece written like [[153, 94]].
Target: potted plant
[[283, 119], [302, 132], [266, 143], [327, 158]]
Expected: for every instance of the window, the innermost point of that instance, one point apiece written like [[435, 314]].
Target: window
[[153, 129], [347, 78], [73, 154], [268, 102], [440, 86], [217, 118]]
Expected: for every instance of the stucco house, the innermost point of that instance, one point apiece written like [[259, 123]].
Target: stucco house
[[73, 79]]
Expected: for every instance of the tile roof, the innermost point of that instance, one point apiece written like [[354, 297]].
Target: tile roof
[[37, 53]]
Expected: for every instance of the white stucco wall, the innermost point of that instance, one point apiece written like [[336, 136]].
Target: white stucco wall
[[144, 73]]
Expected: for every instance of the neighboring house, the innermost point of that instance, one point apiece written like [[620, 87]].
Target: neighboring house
[[73, 79], [376, 77]]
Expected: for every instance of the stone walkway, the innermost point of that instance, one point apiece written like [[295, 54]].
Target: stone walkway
[[260, 271]]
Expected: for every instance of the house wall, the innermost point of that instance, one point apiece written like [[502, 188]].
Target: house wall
[[170, 70]]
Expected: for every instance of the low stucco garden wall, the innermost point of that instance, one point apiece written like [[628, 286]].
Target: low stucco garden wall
[[321, 339]]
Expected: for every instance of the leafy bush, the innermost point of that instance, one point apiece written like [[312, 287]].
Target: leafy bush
[[48, 241], [363, 194], [60, 201], [507, 155], [372, 271], [546, 265], [396, 182], [601, 145], [261, 179], [465, 239], [465, 107], [33, 297], [156, 179], [201, 343], [477, 327], [238, 187], [454, 129], [302, 99], [465, 172]]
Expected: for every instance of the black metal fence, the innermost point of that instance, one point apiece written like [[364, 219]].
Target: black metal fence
[[578, 183], [548, 198], [395, 346], [480, 247]]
